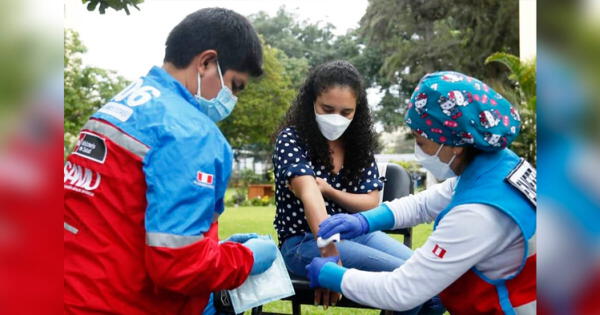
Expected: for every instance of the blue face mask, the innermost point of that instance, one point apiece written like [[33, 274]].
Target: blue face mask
[[221, 106]]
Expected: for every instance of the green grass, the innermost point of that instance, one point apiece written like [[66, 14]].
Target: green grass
[[260, 220]]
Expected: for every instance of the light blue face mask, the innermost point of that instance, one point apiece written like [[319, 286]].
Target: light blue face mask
[[222, 105]]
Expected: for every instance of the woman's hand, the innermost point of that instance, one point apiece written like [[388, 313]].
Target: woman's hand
[[324, 187]]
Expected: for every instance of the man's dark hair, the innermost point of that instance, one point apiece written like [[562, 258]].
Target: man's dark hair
[[225, 31]]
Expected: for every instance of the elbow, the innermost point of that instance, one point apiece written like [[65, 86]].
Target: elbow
[[373, 204]]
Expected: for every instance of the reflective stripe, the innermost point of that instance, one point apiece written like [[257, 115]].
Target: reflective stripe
[[71, 228], [171, 240], [118, 137], [527, 309]]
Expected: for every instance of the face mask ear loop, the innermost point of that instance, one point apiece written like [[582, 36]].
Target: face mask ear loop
[[199, 92], [220, 75], [452, 159], [438, 150]]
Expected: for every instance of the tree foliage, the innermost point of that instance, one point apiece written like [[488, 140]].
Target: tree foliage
[[313, 41], [85, 88], [413, 37], [522, 75], [261, 106], [117, 5]]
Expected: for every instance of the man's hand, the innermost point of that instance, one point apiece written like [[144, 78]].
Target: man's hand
[[348, 225]]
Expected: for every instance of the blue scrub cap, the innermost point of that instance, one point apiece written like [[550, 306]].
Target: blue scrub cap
[[455, 109]]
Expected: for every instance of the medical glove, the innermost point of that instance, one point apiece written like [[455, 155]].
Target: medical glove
[[324, 272], [264, 252], [240, 237], [348, 225]]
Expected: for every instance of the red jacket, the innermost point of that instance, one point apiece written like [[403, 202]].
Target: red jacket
[[141, 198]]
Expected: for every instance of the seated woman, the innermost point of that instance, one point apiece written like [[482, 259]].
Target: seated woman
[[324, 165]]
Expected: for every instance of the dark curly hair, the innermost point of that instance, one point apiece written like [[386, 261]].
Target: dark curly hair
[[359, 139]]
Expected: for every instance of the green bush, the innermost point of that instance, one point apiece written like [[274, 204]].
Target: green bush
[[261, 201], [523, 76]]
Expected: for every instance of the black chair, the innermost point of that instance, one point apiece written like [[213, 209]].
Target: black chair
[[398, 183]]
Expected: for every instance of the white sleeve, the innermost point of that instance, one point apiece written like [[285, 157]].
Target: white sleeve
[[464, 237], [422, 207]]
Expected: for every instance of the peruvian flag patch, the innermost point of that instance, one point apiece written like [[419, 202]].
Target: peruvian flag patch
[[204, 179], [438, 251]]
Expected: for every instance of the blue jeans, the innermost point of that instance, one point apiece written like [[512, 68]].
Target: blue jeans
[[375, 251]]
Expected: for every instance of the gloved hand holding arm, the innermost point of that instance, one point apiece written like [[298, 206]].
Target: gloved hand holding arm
[[352, 225], [402, 212], [324, 272]]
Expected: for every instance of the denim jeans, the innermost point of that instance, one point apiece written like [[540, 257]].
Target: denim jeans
[[374, 251]]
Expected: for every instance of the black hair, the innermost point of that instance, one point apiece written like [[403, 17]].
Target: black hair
[[470, 153], [225, 31], [359, 139]]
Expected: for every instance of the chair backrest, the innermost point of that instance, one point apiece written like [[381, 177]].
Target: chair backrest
[[398, 183]]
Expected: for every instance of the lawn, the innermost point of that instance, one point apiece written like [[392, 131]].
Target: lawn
[[260, 220]]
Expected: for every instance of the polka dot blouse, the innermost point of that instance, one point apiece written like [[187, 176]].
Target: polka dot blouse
[[291, 159]]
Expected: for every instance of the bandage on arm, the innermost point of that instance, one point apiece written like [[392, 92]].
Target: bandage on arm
[[321, 242]]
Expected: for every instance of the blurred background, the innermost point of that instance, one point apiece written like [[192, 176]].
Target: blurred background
[[31, 132], [60, 61], [569, 157]]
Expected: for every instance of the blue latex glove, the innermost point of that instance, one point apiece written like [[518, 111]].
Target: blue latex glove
[[348, 225], [324, 272], [264, 252], [352, 225], [240, 237]]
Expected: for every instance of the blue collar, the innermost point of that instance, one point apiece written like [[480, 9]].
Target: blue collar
[[168, 82]]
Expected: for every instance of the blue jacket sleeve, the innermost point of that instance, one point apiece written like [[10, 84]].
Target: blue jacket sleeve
[[186, 179]]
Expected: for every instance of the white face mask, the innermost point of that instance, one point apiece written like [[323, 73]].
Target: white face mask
[[433, 163], [332, 126]]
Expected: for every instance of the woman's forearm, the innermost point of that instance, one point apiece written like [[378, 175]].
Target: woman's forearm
[[306, 189], [354, 202]]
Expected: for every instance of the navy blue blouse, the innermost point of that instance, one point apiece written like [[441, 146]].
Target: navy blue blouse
[[291, 159]]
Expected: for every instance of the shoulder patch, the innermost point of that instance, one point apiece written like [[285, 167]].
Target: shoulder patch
[[91, 146], [523, 178]]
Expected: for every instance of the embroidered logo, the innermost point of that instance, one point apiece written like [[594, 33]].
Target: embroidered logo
[[438, 251], [81, 179], [204, 179], [90, 146]]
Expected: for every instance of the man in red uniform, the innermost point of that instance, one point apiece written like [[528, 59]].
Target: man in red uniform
[[144, 186]]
